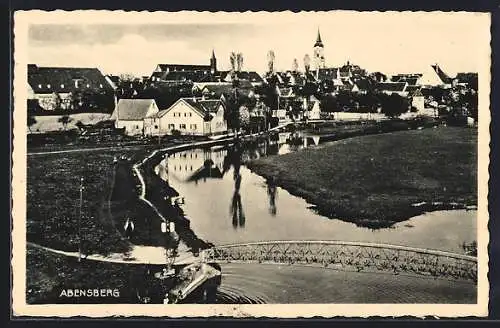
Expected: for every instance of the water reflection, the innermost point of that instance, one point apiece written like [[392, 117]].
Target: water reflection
[[226, 203], [271, 193], [236, 208]]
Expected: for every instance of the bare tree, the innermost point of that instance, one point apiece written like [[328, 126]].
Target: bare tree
[[295, 65], [239, 61], [307, 63], [126, 77], [270, 60], [232, 60]]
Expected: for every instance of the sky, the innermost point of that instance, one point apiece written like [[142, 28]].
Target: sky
[[386, 42]]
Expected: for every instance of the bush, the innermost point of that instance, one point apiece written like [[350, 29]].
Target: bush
[[176, 133]]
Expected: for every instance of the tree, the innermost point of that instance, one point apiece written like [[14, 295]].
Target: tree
[[239, 61], [307, 63], [295, 65], [232, 60], [64, 120], [31, 121], [393, 105], [270, 61]]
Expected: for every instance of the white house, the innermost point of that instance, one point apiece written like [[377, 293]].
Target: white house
[[418, 100], [192, 116], [313, 110], [130, 114]]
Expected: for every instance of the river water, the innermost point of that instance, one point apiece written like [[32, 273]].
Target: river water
[[227, 203]]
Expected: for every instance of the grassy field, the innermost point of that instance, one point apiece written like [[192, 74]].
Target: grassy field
[[53, 200], [49, 274], [374, 180]]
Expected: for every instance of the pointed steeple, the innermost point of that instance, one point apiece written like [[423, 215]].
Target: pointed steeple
[[318, 43], [213, 63]]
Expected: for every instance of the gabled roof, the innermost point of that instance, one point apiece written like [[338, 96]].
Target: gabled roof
[[202, 107], [363, 84], [62, 79], [217, 90], [413, 89], [391, 86], [442, 75], [132, 109]]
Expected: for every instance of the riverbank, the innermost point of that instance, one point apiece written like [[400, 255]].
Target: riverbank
[[375, 181]]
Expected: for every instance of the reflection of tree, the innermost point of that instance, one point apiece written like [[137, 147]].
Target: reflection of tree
[[271, 193], [236, 209]]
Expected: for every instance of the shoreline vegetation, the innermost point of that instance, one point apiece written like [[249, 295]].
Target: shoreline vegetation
[[375, 181]]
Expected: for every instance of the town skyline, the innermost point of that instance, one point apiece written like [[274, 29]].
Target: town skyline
[[376, 44]]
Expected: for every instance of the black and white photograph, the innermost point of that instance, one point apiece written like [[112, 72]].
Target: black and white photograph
[[271, 164]]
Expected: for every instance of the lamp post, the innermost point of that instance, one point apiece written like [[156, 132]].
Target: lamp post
[[80, 223]]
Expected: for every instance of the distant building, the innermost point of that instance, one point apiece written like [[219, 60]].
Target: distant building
[[130, 114], [183, 72], [319, 53], [191, 116], [53, 87]]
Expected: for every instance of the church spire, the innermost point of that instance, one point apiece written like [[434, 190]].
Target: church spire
[[318, 43], [213, 63]]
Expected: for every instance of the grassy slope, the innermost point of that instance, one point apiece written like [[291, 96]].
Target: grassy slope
[[53, 199], [373, 180]]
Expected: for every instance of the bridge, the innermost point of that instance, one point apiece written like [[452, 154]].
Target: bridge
[[350, 256]]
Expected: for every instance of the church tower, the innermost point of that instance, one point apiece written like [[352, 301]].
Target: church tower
[[319, 56], [213, 63]]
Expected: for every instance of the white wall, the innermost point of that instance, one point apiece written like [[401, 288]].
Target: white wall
[[418, 102], [218, 124], [182, 114], [132, 128]]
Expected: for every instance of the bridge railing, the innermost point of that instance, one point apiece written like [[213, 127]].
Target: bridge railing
[[351, 256]]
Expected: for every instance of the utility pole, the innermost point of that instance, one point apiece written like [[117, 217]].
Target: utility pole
[[80, 223]]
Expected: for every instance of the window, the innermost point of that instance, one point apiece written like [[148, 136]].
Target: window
[[156, 126], [137, 126], [171, 126], [192, 126], [190, 114], [182, 126]]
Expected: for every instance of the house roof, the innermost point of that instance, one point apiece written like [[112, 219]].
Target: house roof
[[441, 74], [412, 90], [251, 76], [193, 76], [363, 84], [200, 106], [180, 67], [62, 79], [391, 86], [132, 109], [217, 90]]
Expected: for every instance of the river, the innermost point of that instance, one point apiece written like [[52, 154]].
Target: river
[[227, 203]]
